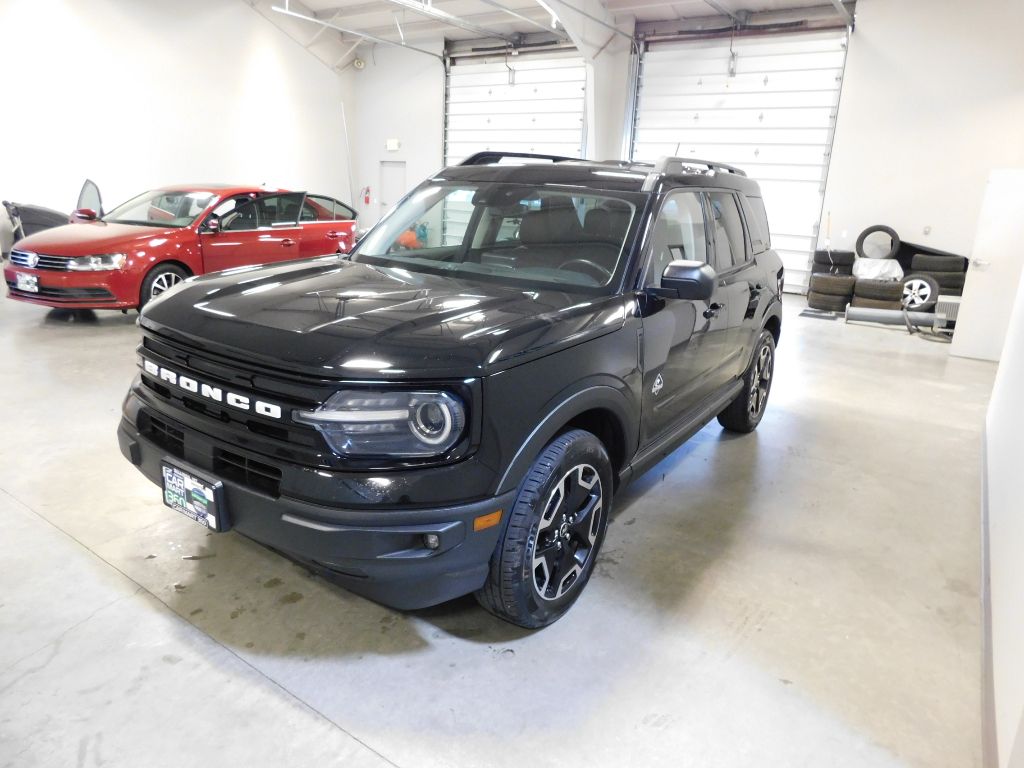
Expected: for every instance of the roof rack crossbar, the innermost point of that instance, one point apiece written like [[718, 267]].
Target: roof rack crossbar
[[489, 157], [675, 165]]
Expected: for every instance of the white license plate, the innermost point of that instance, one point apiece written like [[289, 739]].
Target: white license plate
[[195, 497], [27, 283]]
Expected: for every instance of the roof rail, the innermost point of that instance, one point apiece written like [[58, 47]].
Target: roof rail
[[675, 165], [489, 157]]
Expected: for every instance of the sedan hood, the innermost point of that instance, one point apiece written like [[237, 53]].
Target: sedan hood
[[338, 319], [93, 237]]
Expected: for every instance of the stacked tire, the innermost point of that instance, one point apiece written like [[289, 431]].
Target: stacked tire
[[830, 262], [878, 294], [948, 271], [830, 293]]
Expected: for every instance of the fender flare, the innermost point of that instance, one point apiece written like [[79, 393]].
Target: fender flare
[[563, 408]]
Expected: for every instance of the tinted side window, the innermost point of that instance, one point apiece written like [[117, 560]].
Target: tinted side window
[[730, 245], [757, 224], [241, 217], [280, 210], [678, 234]]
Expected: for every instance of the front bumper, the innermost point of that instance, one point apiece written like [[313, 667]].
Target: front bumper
[[377, 553], [115, 289]]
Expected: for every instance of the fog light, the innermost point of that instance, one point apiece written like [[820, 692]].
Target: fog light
[[431, 540]]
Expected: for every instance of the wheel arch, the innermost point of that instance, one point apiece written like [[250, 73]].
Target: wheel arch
[[602, 410]]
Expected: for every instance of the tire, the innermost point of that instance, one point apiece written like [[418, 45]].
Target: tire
[[514, 590], [745, 412], [835, 258], [160, 278], [949, 279], [920, 291], [878, 228], [824, 269], [882, 290], [833, 285], [826, 302], [860, 301], [926, 262]]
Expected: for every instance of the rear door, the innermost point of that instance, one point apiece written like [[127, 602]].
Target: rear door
[[739, 279], [259, 231], [328, 226]]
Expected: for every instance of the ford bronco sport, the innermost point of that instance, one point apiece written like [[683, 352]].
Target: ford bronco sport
[[451, 407]]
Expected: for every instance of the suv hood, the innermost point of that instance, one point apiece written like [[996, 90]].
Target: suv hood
[[92, 237], [339, 319]]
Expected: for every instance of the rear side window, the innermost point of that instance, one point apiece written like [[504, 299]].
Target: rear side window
[[757, 225], [320, 208], [730, 243]]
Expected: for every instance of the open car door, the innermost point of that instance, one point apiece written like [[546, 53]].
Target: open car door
[[89, 200]]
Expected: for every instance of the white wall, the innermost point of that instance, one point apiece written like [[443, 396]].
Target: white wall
[[933, 99], [1004, 448], [140, 94], [399, 94]]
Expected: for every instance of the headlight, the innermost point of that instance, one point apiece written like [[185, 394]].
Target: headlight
[[99, 263], [376, 423]]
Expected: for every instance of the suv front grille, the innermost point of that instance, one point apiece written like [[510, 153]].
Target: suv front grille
[[24, 259], [248, 472], [163, 434]]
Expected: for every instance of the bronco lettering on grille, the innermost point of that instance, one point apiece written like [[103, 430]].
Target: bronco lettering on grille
[[210, 392]]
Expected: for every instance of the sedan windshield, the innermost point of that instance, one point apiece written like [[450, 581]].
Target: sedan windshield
[[160, 208], [533, 236]]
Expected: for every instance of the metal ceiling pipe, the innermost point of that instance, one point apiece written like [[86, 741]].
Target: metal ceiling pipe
[[448, 18], [527, 19], [841, 10], [363, 35], [594, 19]]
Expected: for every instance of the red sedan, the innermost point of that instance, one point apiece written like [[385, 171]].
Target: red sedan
[[142, 248]]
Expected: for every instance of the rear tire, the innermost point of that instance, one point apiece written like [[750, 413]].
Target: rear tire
[[162, 277], [745, 412], [832, 285], [827, 303], [555, 530]]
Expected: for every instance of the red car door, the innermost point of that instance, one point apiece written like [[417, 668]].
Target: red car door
[[259, 231], [328, 226]]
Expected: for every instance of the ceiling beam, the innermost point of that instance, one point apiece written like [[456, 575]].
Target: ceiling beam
[[843, 13], [357, 33], [725, 11], [448, 18], [521, 17]]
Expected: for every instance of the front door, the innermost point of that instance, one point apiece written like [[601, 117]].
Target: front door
[[682, 340], [327, 226], [259, 231]]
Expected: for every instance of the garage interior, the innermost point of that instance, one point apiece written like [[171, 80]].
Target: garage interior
[[839, 588]]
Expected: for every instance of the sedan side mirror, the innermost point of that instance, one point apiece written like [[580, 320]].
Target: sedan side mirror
[[692, 280], [85, 214], [212, 225]]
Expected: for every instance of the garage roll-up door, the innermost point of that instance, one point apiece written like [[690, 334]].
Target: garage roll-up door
[[774, 118], [524, 103]]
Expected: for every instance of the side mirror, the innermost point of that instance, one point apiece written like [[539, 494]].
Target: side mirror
[[85, 214], [692, 280], [212, 225]]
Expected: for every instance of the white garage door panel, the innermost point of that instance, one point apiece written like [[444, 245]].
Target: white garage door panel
[[541, 110], [774, 119]]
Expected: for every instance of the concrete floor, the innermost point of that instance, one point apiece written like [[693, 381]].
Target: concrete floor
[[803, 596]]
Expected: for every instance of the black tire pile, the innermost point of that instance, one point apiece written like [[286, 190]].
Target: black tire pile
[[878, 294], [833, 262], [830, 293], [948, 271]]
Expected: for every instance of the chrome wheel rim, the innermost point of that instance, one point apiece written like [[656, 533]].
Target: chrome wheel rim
[[761, 381], [164, 282], [567, 534], [916, 293]]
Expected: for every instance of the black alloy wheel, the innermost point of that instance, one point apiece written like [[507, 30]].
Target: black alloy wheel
[[745, 412], [568, 531], [546, 554]]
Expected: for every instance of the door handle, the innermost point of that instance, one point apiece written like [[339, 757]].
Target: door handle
[[713, 310], [333, 235], [981, 264], [287, 242]]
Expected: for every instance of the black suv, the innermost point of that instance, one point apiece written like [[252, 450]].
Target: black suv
[[451, 407]]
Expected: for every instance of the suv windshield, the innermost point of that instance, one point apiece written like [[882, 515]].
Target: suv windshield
[[160, 208], [537, 236]]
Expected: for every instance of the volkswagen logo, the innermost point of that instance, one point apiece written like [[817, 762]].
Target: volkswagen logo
[[31, 259]]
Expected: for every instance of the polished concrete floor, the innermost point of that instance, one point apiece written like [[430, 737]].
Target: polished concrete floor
[[803, 596]]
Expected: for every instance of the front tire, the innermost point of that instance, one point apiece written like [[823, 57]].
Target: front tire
[[745, 412], [556, 527], [162, 277]]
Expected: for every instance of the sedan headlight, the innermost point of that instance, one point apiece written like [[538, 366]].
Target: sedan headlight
[[378, 423], [99, 263]]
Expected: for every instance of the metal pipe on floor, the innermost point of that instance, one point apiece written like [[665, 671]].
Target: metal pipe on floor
[[889, 316]]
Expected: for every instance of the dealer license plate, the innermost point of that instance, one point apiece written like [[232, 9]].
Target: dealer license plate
[[27, 283], [195, 497]]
